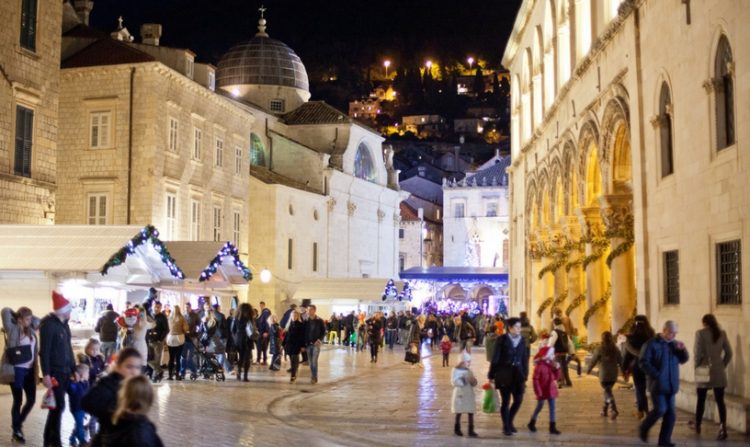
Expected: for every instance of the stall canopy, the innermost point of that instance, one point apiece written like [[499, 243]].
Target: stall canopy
[[209, 265], [125, 255], [359, 289], [456, 274]]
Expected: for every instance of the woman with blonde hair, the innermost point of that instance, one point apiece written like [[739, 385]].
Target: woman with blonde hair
[[178, 327], [131, 425]]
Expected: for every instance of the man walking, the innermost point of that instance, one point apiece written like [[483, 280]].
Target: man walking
[[57, 363], [189, 351], [263, 331], [315, 330], [660, 360], [391, 328], [107, 329], [156, 338], [509, 369]]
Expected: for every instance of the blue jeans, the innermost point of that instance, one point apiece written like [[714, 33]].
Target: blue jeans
[[540, 405], [663, 407], [188, 357], [390, 337], [24, 383], [313, 352], [108, 348], [79, 432]]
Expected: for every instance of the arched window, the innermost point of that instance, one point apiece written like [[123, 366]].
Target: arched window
[[364, 165], [257, 151], [724, 88], [665, 130]]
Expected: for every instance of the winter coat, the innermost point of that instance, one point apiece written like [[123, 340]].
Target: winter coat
[[106, 327], [315, 330], [295, 338], [445, 346], [101, 403], [139, 334], [55, 351], [528, 333], [132, 430], [489, 345], [373, 331], [178, 327], [14, 334], [262, 322], [661, 361], [76, 391], [510, 365], [717, 355], [609, 364], [274, 338], [96, 366], [464, 400], [546, 375], [241, 341]]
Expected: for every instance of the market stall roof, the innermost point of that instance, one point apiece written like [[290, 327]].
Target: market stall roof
[[362, 289], [88, 249], [209, 262], [493, 274]]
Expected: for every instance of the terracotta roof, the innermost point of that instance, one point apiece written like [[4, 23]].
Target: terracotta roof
[[106, 51], [316, 112], [408, 213]]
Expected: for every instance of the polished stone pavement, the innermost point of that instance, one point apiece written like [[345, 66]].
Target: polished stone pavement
[[357, 403]]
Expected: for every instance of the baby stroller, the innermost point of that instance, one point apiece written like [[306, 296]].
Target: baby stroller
[[209, 368]]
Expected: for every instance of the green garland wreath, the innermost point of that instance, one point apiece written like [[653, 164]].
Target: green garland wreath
[[601, 302], [620, 250], [545, 304], [555, 304], [552, 267], [572, 264], [576, 303], [628, 324], [591, 258], [149, 234]]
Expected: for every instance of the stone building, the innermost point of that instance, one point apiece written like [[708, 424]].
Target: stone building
[[476, 226], [628, 184], [411, 231], [29, 85]]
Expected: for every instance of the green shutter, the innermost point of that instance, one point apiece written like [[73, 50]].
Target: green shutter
[[24, 139], [28, 24]]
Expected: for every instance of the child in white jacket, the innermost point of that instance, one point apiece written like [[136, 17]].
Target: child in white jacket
[[464, 400]]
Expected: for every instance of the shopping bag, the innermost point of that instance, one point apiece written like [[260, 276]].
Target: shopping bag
[[489, 404], [49, 402]]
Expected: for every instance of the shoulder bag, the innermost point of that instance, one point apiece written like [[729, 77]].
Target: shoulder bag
[[7, 371]]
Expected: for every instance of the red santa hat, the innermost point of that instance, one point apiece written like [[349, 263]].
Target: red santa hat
[[546, 352], [60, 304]]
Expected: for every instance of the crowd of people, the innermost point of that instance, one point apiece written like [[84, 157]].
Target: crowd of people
[[109, 384]]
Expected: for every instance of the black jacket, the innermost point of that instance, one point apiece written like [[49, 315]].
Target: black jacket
[[101, 402], [294, 340], [315, 329], [106, 327], [373, 331], [161, 328], [510, 365], [55, 351], [130, 431]]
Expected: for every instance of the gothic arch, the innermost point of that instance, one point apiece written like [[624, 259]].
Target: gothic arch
[[615, 143], [591, 168], [570, 174], [557, 191]]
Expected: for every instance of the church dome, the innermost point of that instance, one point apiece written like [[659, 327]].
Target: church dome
[[262, 61]]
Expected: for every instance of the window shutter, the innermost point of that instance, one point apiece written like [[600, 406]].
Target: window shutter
[[24, 135]]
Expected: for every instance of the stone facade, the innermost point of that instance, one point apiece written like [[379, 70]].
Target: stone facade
[[627, 181], [29, 78]]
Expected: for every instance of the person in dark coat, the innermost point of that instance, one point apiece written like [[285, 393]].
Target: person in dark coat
[[294, 342], [57, 362], [242, 342], [660, 360], [373, 336], [509, 369], [101, 400], [315, 330], [107, 329], [131, 426], [712, 349], [639, 335], [264, 333], [156, 338]]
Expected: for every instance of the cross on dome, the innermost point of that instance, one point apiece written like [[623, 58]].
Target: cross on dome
[[119, 22], [262, 10], [262, 22]]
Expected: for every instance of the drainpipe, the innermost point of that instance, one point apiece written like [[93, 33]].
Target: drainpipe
[[130, 143]]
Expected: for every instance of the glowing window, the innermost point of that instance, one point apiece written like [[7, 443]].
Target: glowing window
[[257, 151], [364, 165]]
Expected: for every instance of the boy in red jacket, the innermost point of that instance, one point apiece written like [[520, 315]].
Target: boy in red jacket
[[546, 375], [445, 347]]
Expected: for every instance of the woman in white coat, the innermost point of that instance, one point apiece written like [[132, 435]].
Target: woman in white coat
[[139, 332], [464, 400]]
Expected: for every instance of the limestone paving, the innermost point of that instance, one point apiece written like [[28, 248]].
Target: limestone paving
[[357, 403]]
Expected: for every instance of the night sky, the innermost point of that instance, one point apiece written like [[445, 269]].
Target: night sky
[[327, 32]]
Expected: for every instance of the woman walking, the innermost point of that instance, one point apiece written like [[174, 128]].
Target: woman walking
[[373, 336], [20, 333], [610, 361], [640, 333], [712, 350], [242, 333], [178, 327], [294, 342]]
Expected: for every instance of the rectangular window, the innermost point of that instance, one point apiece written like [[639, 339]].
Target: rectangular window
[[101, 129], [315, 257], [237, 160], [277, 105], [236, 221], [173, 127], [458, 210], [400, 233], [289, 253], [28, 24], [491, 209], [195, 220], [197, 143], [219, 153], [171, 230], [97, 209], [217, 223], [729, 272], [189, 67], [671, 277], [211, 80], [24, 140], [401, 262]]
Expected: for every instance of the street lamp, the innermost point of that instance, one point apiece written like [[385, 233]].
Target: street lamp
[[428, 64], [470, 60], [265, 276], [386, 64]]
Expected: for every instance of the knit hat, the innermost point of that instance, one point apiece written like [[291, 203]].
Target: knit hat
[[60, 305], [547, 352]]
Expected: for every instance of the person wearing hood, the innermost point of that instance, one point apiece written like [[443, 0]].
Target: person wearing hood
[[546, 375], [464, 400]]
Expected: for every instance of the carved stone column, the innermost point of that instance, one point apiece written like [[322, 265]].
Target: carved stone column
[[597, 274], [547, 284], [573, 268], [536, 248], [560, 278], [617, 212]]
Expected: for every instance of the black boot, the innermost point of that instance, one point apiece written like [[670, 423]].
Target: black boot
[[722, 432], [472, 433], [457, 426], [615, 413], [605, 408], [553, 429], [532, 425]]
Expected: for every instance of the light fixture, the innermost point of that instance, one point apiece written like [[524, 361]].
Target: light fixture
[[265, 276]]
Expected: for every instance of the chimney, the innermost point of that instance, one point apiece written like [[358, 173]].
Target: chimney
[[151, 33], [83, 9]]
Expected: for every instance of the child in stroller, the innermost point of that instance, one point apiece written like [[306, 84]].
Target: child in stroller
[[209, 368], [211, 345]]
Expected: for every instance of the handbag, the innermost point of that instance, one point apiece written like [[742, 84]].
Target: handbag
[[703, 374], [411, 357], [7, 370], [18, 354]]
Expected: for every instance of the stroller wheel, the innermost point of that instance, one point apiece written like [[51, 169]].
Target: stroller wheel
[[193, 377], [220, 377]]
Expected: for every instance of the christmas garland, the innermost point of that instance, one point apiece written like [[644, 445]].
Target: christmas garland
[[572, 264], [575, 304], [147, 234], [628, 324], [227, 250], [551, 267], [545, 304], [390, 290], [597, 305], [591, 258], [558, 300], [621, 249]]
